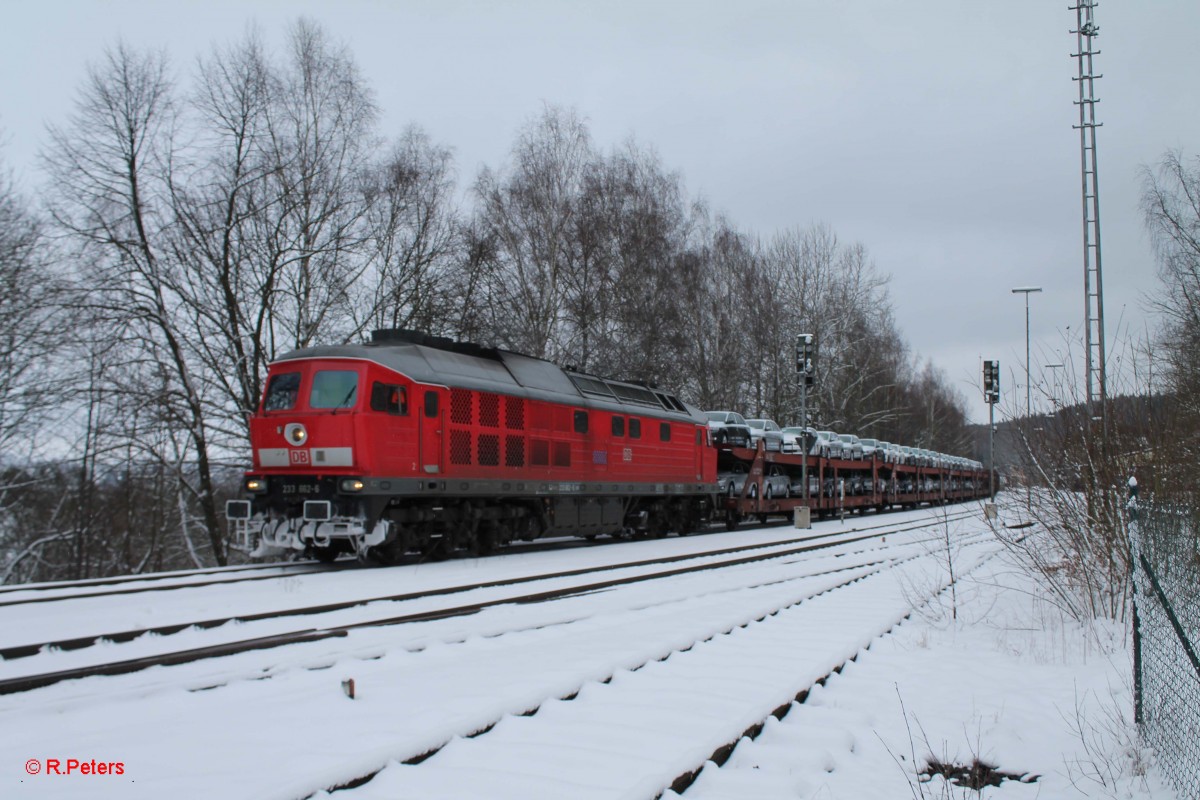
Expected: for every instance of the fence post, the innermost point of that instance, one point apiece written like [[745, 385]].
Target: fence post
[[1134, 555]]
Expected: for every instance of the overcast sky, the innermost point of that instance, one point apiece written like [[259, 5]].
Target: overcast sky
[[938, 133]]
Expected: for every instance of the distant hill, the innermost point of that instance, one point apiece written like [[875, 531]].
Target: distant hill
[[1136, 420]]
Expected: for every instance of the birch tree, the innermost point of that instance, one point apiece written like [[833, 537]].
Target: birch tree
[[109, 169], [527, 214]]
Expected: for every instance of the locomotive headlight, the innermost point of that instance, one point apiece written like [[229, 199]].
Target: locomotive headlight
[[295, 434], [352, 485], [256, 485]]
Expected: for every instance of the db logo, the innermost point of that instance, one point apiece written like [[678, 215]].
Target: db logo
[[299, 456]]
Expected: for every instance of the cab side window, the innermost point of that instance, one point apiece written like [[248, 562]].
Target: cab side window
[[282, 390], [389, 398]]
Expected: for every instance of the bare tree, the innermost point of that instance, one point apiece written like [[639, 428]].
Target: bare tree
[[225, 282], [624, 312], [865, 381], [413, 239], [31, 325], [717, 264], [1171, 205], [528, 217], [321, 134], [109, 170], [30, 305], [290, 231]]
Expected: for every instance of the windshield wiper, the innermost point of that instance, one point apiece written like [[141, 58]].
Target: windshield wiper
[[345, 399]]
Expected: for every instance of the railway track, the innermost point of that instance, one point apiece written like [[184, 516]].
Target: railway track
[[857, 573], [121, 586], [145, 577], [422, 688], [717, 559], [645, 733], [194, 579], [11, 652], [61, 591]]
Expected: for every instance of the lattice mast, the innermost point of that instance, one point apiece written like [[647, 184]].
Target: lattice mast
[[1085, 32]]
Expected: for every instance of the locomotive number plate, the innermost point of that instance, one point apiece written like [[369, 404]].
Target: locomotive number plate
[[296, 488]]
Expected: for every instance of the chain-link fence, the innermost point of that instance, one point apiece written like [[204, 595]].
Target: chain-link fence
[[1166, 637]]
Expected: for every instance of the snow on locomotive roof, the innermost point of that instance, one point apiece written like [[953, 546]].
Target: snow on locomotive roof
[[436, 360]]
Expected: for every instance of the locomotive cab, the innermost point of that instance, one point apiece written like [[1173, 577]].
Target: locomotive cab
[[319, 426]]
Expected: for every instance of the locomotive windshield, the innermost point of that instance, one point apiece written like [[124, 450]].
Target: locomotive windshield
[[334, 388], [282, 391]]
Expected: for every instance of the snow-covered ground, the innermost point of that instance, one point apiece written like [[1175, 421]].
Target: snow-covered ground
[[1011, 682], [615, 694]]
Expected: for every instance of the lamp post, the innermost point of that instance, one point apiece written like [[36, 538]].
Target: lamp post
[[1027, 290]]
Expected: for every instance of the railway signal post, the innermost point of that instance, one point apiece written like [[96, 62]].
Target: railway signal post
[[806, 351], [991, 393]]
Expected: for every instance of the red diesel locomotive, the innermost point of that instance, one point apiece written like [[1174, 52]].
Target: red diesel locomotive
[[418, 443]]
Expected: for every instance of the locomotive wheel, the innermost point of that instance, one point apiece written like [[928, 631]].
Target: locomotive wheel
[[325, 555], [658, 526], [683, 521], [484, 543], [386, 556], [433, 550]]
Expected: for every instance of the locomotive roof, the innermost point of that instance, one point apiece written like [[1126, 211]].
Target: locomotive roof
[[483, 369]]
